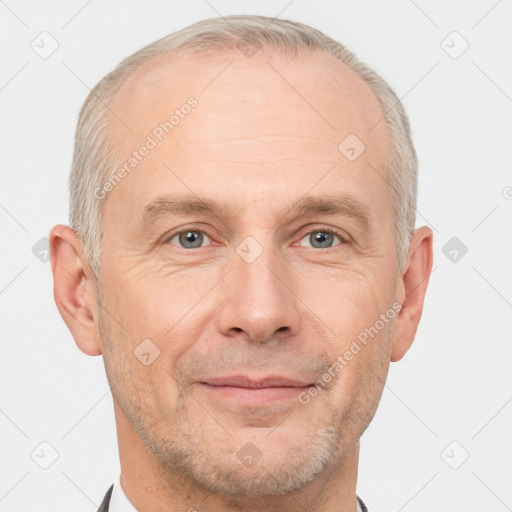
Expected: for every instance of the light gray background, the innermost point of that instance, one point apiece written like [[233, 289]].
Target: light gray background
[[453, 385]]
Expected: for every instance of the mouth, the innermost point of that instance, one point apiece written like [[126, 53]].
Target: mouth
[[249, 391]]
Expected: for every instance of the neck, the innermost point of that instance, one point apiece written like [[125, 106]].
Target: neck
[[152, 486]]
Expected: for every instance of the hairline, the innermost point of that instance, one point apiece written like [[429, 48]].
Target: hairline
[[115, 80]]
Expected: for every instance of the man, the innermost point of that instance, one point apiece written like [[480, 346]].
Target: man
[[243, 254]]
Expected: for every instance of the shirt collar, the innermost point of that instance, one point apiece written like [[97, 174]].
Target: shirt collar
[[120, 503]]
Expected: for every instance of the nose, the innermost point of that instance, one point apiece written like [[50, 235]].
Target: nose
[[259, 301]]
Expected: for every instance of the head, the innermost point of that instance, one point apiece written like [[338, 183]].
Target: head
[[243, 200]]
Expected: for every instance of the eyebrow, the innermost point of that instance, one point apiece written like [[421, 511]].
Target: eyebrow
[[330, 204]]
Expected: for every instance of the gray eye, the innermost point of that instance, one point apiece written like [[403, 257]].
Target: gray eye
[[190, 239], [321, 239]]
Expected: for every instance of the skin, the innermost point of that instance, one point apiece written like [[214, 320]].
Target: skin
[[254, 143]]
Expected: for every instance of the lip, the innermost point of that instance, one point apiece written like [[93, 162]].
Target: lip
[[254, 392], [242, 381]]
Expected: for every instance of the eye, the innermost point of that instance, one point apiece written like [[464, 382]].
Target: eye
[[189, 239], [323, 238]]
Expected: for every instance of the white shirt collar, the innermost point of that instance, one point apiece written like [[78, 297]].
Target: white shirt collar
[[120, 503]]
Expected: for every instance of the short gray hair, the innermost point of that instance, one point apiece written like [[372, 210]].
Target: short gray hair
[[94, 158]]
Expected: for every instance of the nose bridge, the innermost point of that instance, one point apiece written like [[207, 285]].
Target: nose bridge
[[260, 271], [257, 297]]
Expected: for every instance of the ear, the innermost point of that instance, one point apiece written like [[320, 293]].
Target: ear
[[412, 287], [74, 288]]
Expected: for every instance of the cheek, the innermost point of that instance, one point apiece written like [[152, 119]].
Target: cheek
[[358, 386], [153, 303], [140, 373], [164, 317], [354, 307], [347, 301]]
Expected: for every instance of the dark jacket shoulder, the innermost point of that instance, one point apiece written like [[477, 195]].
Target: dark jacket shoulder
[[106, 500]]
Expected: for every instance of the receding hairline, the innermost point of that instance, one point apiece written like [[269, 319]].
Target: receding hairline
[[367, 110], [93, 157], [170, 60]]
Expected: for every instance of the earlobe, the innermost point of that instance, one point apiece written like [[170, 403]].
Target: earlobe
[[74, 288], [411, 291]]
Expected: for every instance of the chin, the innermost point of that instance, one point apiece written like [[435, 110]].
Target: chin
[[273, 471]]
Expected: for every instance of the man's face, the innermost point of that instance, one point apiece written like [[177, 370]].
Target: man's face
[[257, 289]]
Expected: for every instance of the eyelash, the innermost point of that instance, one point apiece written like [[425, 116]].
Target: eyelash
[[344, 238]]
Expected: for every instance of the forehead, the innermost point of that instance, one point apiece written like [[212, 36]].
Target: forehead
[[262, 119], [313, 94]]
